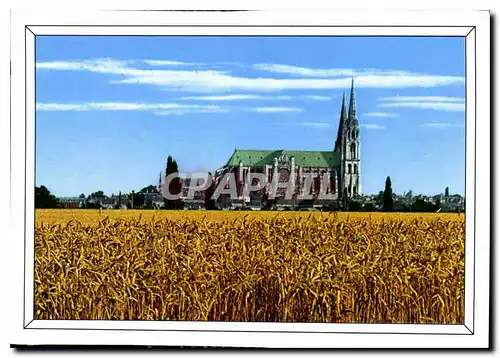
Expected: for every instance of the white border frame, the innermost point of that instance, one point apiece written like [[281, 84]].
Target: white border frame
[[472, 25]]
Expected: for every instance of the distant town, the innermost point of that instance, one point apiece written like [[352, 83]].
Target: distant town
[[150, 197]]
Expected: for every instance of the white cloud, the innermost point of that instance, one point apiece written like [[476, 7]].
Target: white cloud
[[120, 106], [372, 126], [235, 97], [104, 65], [274, 109], [303, 71], [318, 98], [209, 81], [438, 106], [170, 63], [190, 111], [217, 81], [242, 97], [441, 125], [422, 99], [380, 114], [59, 107], [170, 78], [438, 103], [157, 108], [369, 77]]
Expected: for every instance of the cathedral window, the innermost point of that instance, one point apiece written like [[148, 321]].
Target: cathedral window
[[317, 184], [353, 150], [349, 169], [353, 134], [355, 169]]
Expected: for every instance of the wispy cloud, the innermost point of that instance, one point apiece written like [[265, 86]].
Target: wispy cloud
[[372, 126], [102, 65], [217, 81], [171, 63], [370, 77], [177, 112], [122, 106], [437, 106], [235, 97], [274, 109], [437, 103], [59, 107], [380, 114], [157, 108], [441, 125], [203, 81], [303, 71], [422, 99], [317, 98], [244, 97]]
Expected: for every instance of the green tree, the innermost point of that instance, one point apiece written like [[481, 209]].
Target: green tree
[[422, 206], [388, 200], [138, 199], [447, 192], [268, 203], [380, 198], [97, 195], [149, 189], [209, 202], [345, 200], [175, 185], [119, 202], [438, 204], [44, 199], [368, 207], [354, 205]]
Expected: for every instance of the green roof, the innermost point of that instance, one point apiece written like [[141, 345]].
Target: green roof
[[303, 158]]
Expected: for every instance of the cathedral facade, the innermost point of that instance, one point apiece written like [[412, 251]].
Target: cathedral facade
[[335, 172]]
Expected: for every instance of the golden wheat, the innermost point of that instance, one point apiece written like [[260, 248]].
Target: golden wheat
[[255, 266]]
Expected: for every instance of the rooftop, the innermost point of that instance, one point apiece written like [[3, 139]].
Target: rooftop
[[303, 158]]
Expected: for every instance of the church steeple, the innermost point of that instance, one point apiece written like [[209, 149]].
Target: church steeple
[[350, 177], [342, 124], [352, 103]]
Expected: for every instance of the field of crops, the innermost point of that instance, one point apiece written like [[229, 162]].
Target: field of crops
[[249, 266]]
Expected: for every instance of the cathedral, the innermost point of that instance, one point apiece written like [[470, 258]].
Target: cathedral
[[341, 165]]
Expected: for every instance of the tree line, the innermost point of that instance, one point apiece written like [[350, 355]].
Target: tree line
[[385, 199], [45, 199]]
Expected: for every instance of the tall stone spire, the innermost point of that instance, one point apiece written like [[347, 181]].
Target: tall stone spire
[[352, 103], [343, 119]]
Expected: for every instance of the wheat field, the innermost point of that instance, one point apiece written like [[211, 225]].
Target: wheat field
[[249, 266]]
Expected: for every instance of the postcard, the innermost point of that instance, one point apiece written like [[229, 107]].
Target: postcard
[[251, 179]]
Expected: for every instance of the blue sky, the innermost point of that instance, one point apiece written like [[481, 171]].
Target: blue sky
[[111, 109]]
